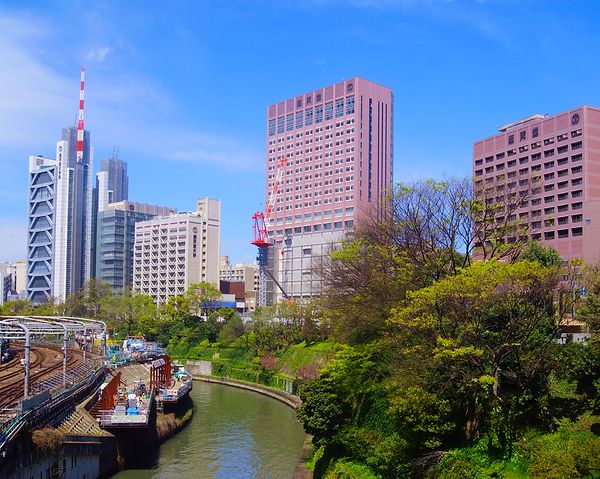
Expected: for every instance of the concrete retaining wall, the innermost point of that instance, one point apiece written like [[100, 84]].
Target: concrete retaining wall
[[287, 398], [203, 368]]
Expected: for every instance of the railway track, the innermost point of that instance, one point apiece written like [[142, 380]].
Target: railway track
[[45, 362]]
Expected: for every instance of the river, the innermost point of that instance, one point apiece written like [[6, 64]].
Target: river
[[235, 434]]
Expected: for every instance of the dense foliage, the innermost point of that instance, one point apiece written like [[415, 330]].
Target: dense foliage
[[447, 353]]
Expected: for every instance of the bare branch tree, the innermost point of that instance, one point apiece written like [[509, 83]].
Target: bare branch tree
[[501, 219]]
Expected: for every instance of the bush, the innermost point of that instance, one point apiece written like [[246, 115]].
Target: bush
[[343, 469], [553, 464], [571, 452], [47, 440]]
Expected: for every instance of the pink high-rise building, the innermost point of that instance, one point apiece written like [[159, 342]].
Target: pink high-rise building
[[338, 142], [554, 163]]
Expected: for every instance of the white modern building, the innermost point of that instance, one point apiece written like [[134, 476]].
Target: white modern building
[[60, 220], [8, 274], [40, 241], [172, 252], [21, 279]]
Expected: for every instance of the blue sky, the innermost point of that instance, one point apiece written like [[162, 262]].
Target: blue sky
[[182, 87]]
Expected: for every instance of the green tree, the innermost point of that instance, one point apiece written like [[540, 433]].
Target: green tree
[[483, 340], [20, 307], [131, 315], [545, 256], [590, 307], [497, 231], [201, 297], [340, 393], [89, 301], [362, 282]]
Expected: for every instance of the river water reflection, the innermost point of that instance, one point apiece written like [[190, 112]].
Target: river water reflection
[[235, 434]]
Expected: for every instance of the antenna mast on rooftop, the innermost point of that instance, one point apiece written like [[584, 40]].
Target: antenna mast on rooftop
[[80, 126]]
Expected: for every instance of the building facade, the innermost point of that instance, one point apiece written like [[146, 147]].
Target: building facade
[[244, 274], [553, 163], [21, 278], [173, 252], [337, 143], [60, 221], [40, 229], [72, 215], [8, 274], [112, 182], [115, 237]]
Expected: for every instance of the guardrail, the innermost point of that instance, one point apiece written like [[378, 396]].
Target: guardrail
[[49, 409]]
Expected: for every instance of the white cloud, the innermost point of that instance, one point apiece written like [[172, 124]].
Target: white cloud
[[98, 54], [123, 108], [33, 95]]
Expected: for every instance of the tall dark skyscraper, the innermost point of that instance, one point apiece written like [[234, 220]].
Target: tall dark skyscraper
[[117, 180]]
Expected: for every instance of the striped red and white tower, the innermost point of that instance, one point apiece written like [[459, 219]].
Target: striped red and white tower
[[80, 126]]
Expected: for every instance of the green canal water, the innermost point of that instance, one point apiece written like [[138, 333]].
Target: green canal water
[[235, 434]]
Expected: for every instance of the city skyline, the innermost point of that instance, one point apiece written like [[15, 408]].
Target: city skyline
[[195, 98]]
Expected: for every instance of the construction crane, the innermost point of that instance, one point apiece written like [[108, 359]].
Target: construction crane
[[261, 237]]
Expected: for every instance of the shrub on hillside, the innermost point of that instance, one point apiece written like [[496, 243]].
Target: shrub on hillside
[[47, 440], [343, 469], [571, 452]]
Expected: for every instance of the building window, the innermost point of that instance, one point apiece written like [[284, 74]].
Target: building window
[[319, 114], [272, 127], [308, 117], [328, 111], [511, 139], [280, 124], [350, 105], [299, 117], [339, 107], [289, 122], [577, 231], [549, 235]]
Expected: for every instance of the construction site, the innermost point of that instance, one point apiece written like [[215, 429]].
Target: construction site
[[65, 411]]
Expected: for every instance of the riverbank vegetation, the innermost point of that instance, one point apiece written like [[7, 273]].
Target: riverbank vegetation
[[439, 348]]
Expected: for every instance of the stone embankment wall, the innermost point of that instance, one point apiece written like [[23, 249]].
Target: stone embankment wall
[[289, 399]]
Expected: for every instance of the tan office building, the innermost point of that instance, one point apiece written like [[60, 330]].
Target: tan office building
[[172, 252]]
